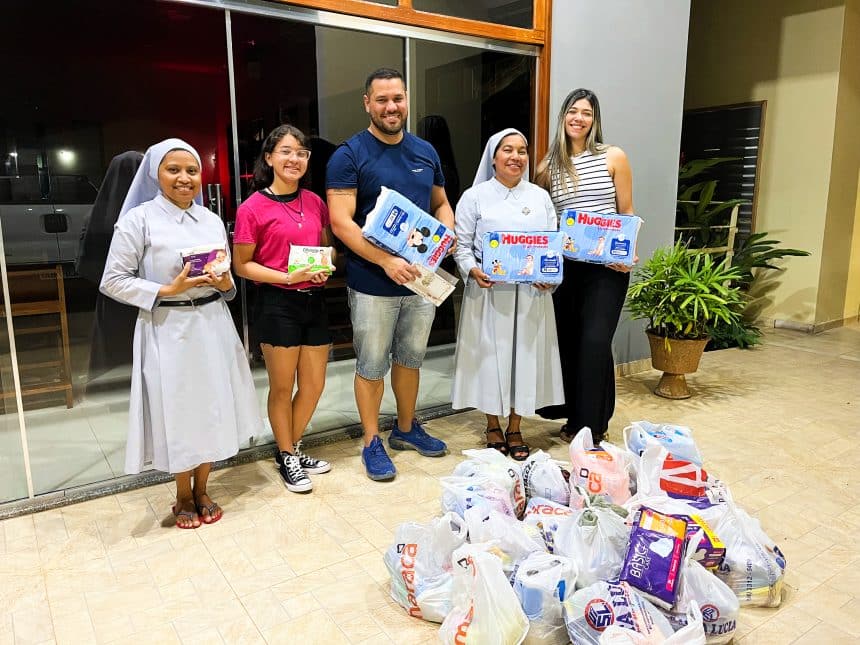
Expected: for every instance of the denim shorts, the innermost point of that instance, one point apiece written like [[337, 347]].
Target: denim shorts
[[386, 329]]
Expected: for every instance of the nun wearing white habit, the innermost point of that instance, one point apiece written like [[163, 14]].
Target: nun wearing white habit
[[192, 396], [506, 362]]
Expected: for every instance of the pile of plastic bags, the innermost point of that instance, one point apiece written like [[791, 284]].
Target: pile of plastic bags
[[634, 544]]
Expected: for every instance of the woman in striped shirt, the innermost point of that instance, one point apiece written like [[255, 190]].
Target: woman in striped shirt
[[582, 172]]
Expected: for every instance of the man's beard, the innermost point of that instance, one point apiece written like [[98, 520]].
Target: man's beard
[[382, 127]]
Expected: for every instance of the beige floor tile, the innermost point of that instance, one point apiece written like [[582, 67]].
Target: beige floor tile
[[784, 626], [825, 634], [314, 627], [33, 623], [264, 609]]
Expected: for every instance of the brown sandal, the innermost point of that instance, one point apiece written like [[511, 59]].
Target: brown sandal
[[521, 451], [501, 446]]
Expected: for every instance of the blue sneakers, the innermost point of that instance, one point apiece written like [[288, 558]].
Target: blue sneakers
[[377, 462], [417, 439]]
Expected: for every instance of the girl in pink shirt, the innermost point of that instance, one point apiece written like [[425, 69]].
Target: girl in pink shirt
[[292, 324]]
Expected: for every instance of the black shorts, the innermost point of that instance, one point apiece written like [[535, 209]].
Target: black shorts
[[291, 318]]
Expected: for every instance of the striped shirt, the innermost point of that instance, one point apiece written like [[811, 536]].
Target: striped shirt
[[594, 191]]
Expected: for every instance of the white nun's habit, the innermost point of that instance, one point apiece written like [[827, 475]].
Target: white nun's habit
[[192, 397], [507, 347]]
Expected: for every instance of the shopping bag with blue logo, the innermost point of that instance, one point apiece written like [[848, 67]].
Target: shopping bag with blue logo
[[593, 609], [400, 227], [419, 563], [485, 608], [718, 604], [693, 633], [605, 469], [543, 581], [678, 440], [493, 465], [512, 539], [523, 256]]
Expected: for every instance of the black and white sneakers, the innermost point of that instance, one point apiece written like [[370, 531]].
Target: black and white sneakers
[[294, 469]]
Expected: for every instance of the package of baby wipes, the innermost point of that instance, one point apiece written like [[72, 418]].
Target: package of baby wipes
[[598, 237], [205, 258], [523, 256], [398, 226], [315, 258]]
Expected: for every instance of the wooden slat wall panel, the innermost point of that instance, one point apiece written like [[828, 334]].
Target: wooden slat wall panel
[[729, 131]]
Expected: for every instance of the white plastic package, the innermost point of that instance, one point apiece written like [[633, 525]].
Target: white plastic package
[[544, 477], [691, 634], [542, 582], [419, 563], [678, 440], [485, 608], [604, 469], [512, 539], [494, 465], [546, 517], [462, 493]]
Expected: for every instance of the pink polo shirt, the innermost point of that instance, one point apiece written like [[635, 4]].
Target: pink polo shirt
[[274, 227]]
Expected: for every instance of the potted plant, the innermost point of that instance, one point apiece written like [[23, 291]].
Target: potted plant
[[682, 294]]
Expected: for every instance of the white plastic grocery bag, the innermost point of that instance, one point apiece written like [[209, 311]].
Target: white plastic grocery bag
[[691, 634], [604, 469], [512, 539], [542, 581], [753, 566], [485, 608], [461, 493], [678, 440], [718, 604], [592, 610], [546, 517], [490, 463], [419, 563], [661, 473], [596, 540], [545, 477]]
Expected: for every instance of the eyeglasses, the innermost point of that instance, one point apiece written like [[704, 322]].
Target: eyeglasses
[[301, 153]]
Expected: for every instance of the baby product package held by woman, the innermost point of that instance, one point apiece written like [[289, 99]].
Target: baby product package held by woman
[[206, 258], [599, 238], [485, 607], [518, 256], [398, 226], [419, 563]]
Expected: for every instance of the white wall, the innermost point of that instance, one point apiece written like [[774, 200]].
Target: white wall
[[633, 56]]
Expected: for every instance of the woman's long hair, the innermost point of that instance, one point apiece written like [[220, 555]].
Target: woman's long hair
[[557, 168], [264, 175]]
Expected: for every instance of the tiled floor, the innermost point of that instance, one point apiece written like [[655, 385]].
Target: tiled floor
[[780, 424]]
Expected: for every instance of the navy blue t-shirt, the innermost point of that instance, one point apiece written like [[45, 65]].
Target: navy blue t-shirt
[[365, 163]]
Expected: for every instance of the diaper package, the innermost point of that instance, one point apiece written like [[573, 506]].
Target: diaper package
[[398, 226], [653, 561], [710, 550], [206, 257], [315, 258], [520, 256], [599, 238]]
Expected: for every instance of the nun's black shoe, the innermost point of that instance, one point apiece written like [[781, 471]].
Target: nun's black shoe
[[501, 446]]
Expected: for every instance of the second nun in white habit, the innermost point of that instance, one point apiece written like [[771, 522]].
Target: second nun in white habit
[[506, 363]]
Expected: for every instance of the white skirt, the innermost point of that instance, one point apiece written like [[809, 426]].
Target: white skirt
[[507, 351], [192, 395]]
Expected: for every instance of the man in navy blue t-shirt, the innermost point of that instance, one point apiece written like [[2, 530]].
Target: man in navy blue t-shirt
[[390, 324]]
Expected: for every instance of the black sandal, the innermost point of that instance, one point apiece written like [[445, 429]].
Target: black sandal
[[519, 452], [501, 446]]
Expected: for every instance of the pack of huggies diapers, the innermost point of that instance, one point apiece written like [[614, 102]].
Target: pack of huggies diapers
[[523, 256], [598, 237], [398, 226]]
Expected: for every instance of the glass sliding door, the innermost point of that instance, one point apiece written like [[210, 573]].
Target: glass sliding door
[[91, 80]]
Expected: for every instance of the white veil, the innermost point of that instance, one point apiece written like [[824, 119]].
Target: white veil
[[144, 187], [485, 166]]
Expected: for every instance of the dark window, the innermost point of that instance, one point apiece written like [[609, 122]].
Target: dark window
[[514, 13]]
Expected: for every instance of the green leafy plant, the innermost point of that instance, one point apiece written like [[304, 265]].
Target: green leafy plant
[[683, 294], [696, 205], [756, 252]]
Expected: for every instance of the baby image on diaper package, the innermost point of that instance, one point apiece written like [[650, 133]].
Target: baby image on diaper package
[[520, 256], [598, 237], [315, 258], [205, 258], [398, 226]]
